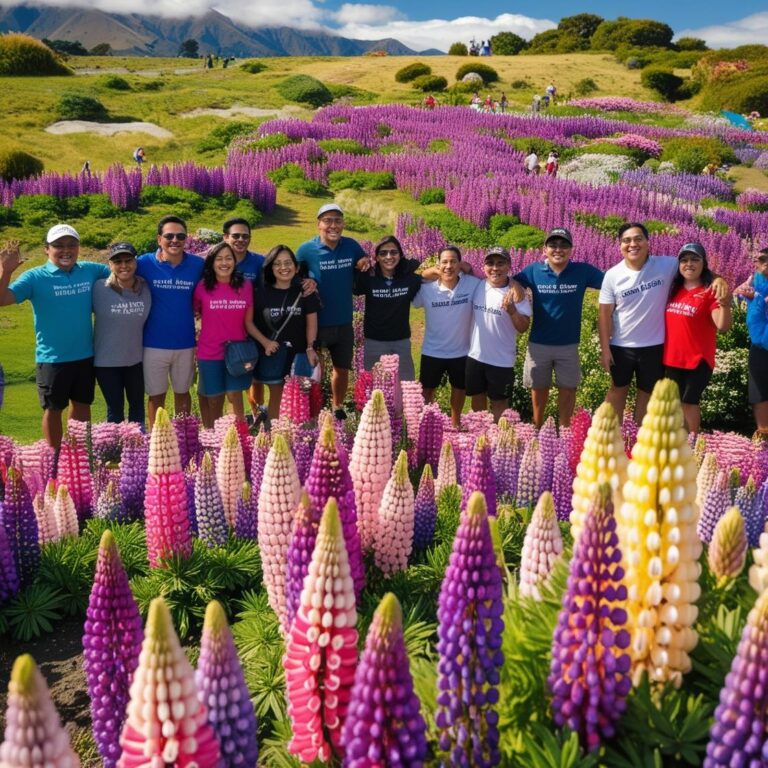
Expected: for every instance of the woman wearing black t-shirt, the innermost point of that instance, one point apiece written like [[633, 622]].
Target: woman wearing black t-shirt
[[280, 297]]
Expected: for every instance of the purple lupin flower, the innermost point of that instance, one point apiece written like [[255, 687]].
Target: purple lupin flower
[[425, 510], [109, 505], [306, 524], [187, 428], [221, 688], [21, 527], [745, 499], [303, 447], [74, 471], [384, 725], [716, 502], [190, 480], [481, 477], [589, 676], [246, 520], [133, 476], [262, 442], [529, 474], [737, 737], [548, 449], [469, 632], [209, 509], [430, 439], [111, 646], [562, 486], [505, 459], [9, 578]]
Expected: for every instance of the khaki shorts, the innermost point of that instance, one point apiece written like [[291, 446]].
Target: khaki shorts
[[542, 360], [162, 364]]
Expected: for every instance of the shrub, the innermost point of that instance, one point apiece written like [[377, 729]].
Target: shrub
[[432, 195], [412, 71], [358, 222], [704, 222], [253, 67], [692, 153], [286, 171], [116, 83], [585, 87], [488, 74], [663, 81], [152, 85], [100, 206], [361, 180], [428, 83], [439, 145], [171, 196], [350, 146], [308, 187], [75, 106], [383, 130], [688, 89], [16, 164], [37, 210], [744, 93], [507, 44], [222, 135], [305, 90], [23, 55], [458, 49], [519, 85]]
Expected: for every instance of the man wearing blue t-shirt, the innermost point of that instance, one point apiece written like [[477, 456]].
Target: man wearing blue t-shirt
[[169, 333], [331, 260], [557, 287], [61, 295]]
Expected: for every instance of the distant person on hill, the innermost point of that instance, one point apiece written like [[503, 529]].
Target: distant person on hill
[[503, 102], [61, 296], [535, 103], [86, 169], [138, 156], [531, 162], [429, 101], [551, 91], [552, 163]]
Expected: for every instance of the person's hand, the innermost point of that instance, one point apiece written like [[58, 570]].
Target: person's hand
[[508, 302], [720, 289], [312, 357], [363, 264], [517, 291], [10, 256], [465, 267], [746, 290], [606, 360], [271, 347], [308, 286]]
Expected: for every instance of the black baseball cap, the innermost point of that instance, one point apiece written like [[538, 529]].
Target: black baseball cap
[[120, 249], [695, 248], [498, 250], [562, 233]]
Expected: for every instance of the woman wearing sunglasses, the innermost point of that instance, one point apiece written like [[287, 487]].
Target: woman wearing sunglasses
[[389, 287]]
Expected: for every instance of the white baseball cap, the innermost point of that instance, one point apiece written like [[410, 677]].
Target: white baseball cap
[[61, 230], [327, 208]]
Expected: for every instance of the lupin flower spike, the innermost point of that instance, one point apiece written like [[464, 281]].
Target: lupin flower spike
[[480, 476], [562, 487], [447, 473], [74, 471], [430, 436], [165, 723], [728, 548], [109, 505], [661, 547], [542, 546], [529, 474], [246, 523], [705, 478], [47, 529], [230, 474], [394, 531], [9, 577], [65, 513], [425, 510], [754, 515], [34, 737], [321, 647], [222, 690], [589, 675], [133, 473], [111, 646], [209, 507], [469, 631], [393, 734], [603, 460], [506, 455], [306, 524], [548, 448], [18, 517]]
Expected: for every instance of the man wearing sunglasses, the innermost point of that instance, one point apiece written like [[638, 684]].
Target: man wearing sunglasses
[[237, 233], [169, 333]]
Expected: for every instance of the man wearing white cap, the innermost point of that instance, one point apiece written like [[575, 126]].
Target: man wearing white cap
[[61, 295]]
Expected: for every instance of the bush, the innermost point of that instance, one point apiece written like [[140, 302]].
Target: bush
[[222, 135], [432, 195], [663, 81], [75, 106], [23, 55], [305, 90], [37, 210], [152, 85], [585, 87], [116, 83], [427, 83], [507, 44], [361, 180], [358, 222], [350, 146], [519, 85], [308, 187], [412, 71], [286, 171], [253, 67], [488, 74], [458, 49], [692, 153], [171, 196], [743, 93], [16, 164]]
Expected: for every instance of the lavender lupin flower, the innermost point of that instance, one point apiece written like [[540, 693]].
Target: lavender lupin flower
[[425, 510], [306, 523], [111, 646], [529, 474], [746, 500], [190, 480], [469, 631], [548, 449], [9, 579], [384, 725], [246, 521], [717, 500], [187, 428], [209, 509], [133, 476], [221, 688], [481, 477], [562, 486], [505, 458], [21, 527], [109, 505], [430, 439]]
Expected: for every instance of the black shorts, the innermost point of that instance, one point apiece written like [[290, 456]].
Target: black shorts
[[339, 341], [432, 369], [758, 375], [491, 380], [691, 381], [643, 362], [58, 383]]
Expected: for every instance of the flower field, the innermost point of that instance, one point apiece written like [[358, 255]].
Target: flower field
[[388, 590]]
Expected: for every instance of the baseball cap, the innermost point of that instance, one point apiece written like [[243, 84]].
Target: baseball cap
[[497, 250], [696, 248], [118, 249], [61, 230], [560, 232], [327, 208]]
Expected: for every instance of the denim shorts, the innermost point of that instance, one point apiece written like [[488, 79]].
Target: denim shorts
[[215, 379]]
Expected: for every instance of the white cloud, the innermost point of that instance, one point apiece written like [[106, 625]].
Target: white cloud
[[361, 13], [751, 29]]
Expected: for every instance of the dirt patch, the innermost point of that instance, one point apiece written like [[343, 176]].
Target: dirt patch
[[107, 129], [238, 109]]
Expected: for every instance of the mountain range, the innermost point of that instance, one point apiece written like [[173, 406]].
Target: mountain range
[[132, 34]]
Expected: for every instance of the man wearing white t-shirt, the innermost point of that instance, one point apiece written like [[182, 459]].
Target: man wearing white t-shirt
[[447, 306], [497, 320]]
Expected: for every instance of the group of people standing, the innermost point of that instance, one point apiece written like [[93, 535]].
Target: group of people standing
[[130, 324]]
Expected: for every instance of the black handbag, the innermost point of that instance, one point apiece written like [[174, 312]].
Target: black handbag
[[241, 357]]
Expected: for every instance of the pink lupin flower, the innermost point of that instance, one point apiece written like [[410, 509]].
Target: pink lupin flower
[[64, 513], [542, 546], [413, 405], [294, 404], [165, 496], [370, 465], [321, 647], [74, 471], [529, 474], [230, 473], [278, 498], [47, 530], [430, 436], [33, 733], [165, 723], [393, 539], [447, 473]]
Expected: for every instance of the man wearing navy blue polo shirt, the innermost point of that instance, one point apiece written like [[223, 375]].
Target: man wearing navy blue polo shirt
[[169, 333], [331, 260], [61, 295], [557, 285]]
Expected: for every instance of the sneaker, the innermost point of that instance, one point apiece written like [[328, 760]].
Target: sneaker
[[262, 417], [340, 414]]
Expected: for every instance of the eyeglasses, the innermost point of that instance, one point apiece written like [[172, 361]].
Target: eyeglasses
[[630, 240], [180, 236], [556, 245], [388, 252], [330, 222], [62, 246], [240, 236]]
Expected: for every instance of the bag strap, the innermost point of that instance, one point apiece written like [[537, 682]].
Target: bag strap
[[287, 317]]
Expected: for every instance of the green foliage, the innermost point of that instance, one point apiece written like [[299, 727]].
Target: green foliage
[[507, 44], [544, 749], [639, 32], [37, 210], [692, 153], [585, 87], [743, 92], [705, 222], [222, 135], [355, 222], [582, 25], [17, 164], [691, 44], [66, 47], [665, 82], [552, 41], [116, 83], [412, 71], [286, 171], [77, 106], [432, 195], [519, 85], [361, 180], [253, 67], [24, 55], [270, 141], [488, 74], [101, 49], [439, 145], [427, 83], [33, 611], [68, 566], [348, 146], [171, 196], [152, 85], [189, 49], [308, 187], [305, 90], [131, 542], [458, 49]]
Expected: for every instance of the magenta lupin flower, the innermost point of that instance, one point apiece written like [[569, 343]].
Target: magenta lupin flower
[[303, 448], [165, 722], [505, 459], [529, 474], [469, 631], [430, 436], [384, 726], [590, 671], [413, 406], [425, 510], [577, 434], [230, 474], [246, 521], [111, 645], [481, 477], [447, 473], [727, 551], [133, 475], [74, 471], [542, 546], [209, 508], [394, 532], [64, 513], [321, 647], [18, 517], [165, 496], [33, 736], [222, 690]]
